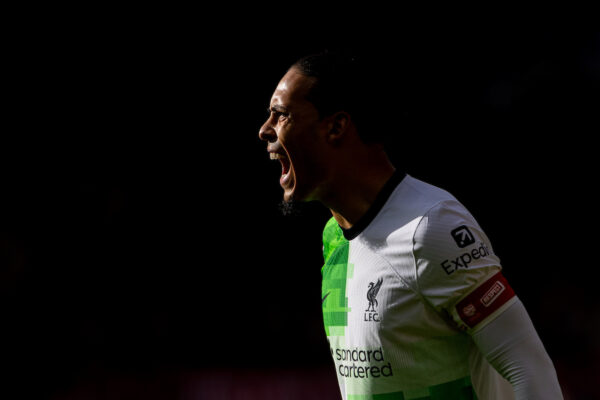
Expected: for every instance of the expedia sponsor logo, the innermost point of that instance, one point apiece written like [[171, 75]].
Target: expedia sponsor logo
[[463, 261], [462, 236], [349, 362], [492, 294]]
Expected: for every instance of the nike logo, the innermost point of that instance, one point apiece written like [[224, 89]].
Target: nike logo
[[323, 299]]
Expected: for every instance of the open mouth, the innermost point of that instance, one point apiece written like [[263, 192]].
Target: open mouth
[[285, 166]]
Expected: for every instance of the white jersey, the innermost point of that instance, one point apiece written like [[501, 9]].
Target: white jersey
[[402, 291]]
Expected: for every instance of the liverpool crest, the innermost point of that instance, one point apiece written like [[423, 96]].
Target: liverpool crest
[[370, 313]]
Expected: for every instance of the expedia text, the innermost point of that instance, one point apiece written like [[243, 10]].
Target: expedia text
[[462, 261]]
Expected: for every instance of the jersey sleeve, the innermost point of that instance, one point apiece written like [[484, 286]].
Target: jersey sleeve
[[457, 271]]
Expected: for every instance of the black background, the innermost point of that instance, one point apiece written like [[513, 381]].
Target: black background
[[140, 235]]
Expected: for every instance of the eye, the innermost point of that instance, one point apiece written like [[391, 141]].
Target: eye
[[279, 115]]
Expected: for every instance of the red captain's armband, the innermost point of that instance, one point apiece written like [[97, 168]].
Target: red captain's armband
[[483, 301]]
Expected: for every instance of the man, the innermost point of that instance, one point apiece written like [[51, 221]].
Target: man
[[414, 302]]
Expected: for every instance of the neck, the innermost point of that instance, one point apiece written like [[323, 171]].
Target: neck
[[356, 187]]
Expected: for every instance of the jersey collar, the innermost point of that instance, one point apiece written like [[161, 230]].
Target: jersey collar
[[372, 212]]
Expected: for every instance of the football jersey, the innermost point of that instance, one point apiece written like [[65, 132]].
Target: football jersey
[[403, 290]]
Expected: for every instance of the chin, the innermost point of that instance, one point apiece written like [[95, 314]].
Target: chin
[[287, 199], [298, 196], [290, 190], [289, 196]]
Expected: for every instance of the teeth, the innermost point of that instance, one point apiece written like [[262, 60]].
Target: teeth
[[274, 156]]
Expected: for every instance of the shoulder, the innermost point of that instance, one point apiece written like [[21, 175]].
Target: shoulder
[[411, 199], [453, 255], [391, 234], [447, 227], [447, 219], [408, 205]]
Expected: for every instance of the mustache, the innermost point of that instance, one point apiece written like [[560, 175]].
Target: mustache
[[275, 147]]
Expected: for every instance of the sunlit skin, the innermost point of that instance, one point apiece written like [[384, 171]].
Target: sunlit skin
[[322, 157]]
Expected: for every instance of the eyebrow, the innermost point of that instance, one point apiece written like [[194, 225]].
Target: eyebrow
[[278, 108]]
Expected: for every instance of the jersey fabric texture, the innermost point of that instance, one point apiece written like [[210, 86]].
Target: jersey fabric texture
[[402, 292]]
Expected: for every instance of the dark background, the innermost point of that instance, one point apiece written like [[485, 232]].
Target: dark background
[[142, 253]]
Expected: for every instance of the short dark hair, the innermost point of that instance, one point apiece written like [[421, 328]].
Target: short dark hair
[[350, 82]]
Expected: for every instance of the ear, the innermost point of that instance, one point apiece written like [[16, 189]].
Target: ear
[[337, 125]]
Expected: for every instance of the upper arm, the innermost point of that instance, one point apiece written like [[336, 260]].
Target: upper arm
[[457, 271]]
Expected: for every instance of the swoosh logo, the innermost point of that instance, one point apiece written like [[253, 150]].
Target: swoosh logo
[[323, 299]]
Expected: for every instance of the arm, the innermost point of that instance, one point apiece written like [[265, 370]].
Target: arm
[[465, 282], [513, 347]]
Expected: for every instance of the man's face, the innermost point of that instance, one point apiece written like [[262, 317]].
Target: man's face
[[296, 137]]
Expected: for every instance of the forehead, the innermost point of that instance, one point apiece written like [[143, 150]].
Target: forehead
[[292, 88]]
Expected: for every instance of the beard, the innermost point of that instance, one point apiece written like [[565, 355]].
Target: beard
[[291, 208]]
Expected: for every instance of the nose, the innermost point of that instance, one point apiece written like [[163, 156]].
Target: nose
[[267, 133]]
